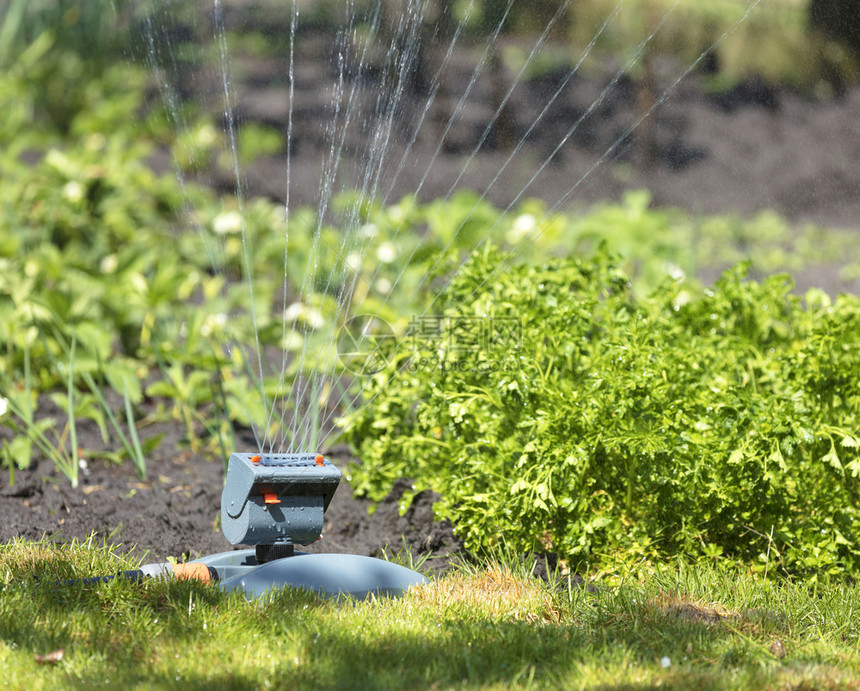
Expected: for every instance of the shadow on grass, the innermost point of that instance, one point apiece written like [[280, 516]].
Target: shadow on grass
[[601, 643], [484, 652]]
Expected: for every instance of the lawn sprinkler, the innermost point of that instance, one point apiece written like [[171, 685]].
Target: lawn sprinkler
[[273, 502]]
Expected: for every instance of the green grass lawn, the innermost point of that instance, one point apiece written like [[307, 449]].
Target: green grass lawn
[[679, 627]]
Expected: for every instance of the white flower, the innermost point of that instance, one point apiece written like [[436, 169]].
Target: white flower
[[109, 264], [522, 226], [314, 318], [368, 230], [674, 271], [293, 311], [383, 285], [525, 223], [386, 253], [206, 136], [213, 324], [301, 312], [665, 662], [4, 406], [353, 261], [227, 223], [681, 299], [397, 214], [73, 191]]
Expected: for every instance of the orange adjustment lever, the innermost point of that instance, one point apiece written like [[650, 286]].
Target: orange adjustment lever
[[320, 459], [271, 498], [255, 459]]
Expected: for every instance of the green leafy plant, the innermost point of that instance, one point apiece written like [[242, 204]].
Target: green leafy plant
[[19, 402], [187, 391], [676, 423], [29, 432], [255, 141]]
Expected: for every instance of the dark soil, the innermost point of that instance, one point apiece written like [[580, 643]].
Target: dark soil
[[174, 512], [753, 148]]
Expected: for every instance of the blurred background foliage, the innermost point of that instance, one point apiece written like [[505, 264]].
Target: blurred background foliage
[[805, 43], [66, 49], [63, 50]]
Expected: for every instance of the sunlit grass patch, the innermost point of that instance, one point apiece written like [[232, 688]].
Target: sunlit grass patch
[[668, 606], [495, 593]]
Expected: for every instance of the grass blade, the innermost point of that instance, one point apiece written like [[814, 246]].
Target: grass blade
[[128, 445], [136, 457], [73, 428]]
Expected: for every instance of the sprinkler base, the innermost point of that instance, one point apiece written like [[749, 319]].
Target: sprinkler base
[[329, 575]]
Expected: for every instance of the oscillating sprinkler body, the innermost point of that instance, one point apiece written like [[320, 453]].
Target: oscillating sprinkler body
[[275, 501]]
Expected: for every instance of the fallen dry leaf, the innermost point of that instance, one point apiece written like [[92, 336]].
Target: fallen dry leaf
[[51, 658], [778, 649]]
